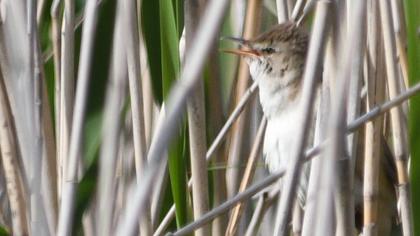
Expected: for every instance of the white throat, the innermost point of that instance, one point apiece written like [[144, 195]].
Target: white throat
[[278, 92]]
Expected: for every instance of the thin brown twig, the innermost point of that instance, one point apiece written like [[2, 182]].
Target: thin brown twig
[[248, 174], [252, 21]]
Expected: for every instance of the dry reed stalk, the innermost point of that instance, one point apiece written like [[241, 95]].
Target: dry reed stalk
[[297, 219], [217, 117], [40, 10], [264, 202], [136, 102], [10, 167], [344, 190], [248, 174], [158, 197], [67, 83], [49, 161], [56, 43], [336, 177], [282, 11], [373, 130], [399, 137], [39, 223], [401, 39], [329, 76], [314, 58], [296, 10], [251, 27], [197, 125], [115, 95], [316, 164], [69, 187]]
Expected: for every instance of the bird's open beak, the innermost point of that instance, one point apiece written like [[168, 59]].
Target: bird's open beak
[[242, 52], [245, 51]]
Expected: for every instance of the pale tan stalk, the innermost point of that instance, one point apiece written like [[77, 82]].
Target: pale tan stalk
[[69, 186], [67, 83], [149, 106], [49, 161], [401, 39], [344, 190], [282, 11], [373, 130], [136, 102], [40, 10], [246, 180], [297, 219], [265, 201], [399, 138], [336, 180], [39, 224], [197, 125], [56, 43], [217, 117], [309, 219], [160, 184], [297, 9], [111, 128], [252, 21], [11, 168]]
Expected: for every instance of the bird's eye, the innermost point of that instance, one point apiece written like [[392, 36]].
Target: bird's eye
[[268, 50]]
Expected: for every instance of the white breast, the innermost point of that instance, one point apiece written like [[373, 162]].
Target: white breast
[[280, 136]]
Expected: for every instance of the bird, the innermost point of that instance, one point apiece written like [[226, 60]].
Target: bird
[[276, 60]]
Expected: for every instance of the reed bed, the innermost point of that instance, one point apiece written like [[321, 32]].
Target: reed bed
[[126, 118]]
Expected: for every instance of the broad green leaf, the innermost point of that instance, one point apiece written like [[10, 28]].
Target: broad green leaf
[[177, 161], [170, 71], [412, 10], [169, 45], [179, 15]]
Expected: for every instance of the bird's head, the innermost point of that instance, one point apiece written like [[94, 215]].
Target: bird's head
[[269, 52]]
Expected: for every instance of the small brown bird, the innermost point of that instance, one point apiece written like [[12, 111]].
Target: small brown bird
[[276, 61]]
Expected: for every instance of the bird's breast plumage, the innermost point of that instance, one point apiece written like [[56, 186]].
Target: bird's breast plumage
[[280, 137]]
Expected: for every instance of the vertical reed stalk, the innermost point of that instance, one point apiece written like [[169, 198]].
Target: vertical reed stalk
[[252, 21], [399, 140], [56, 42], [197, 125], [11, 168], [67, 82], [316, 48], [111, 127], [69, 186], [136, 102]]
